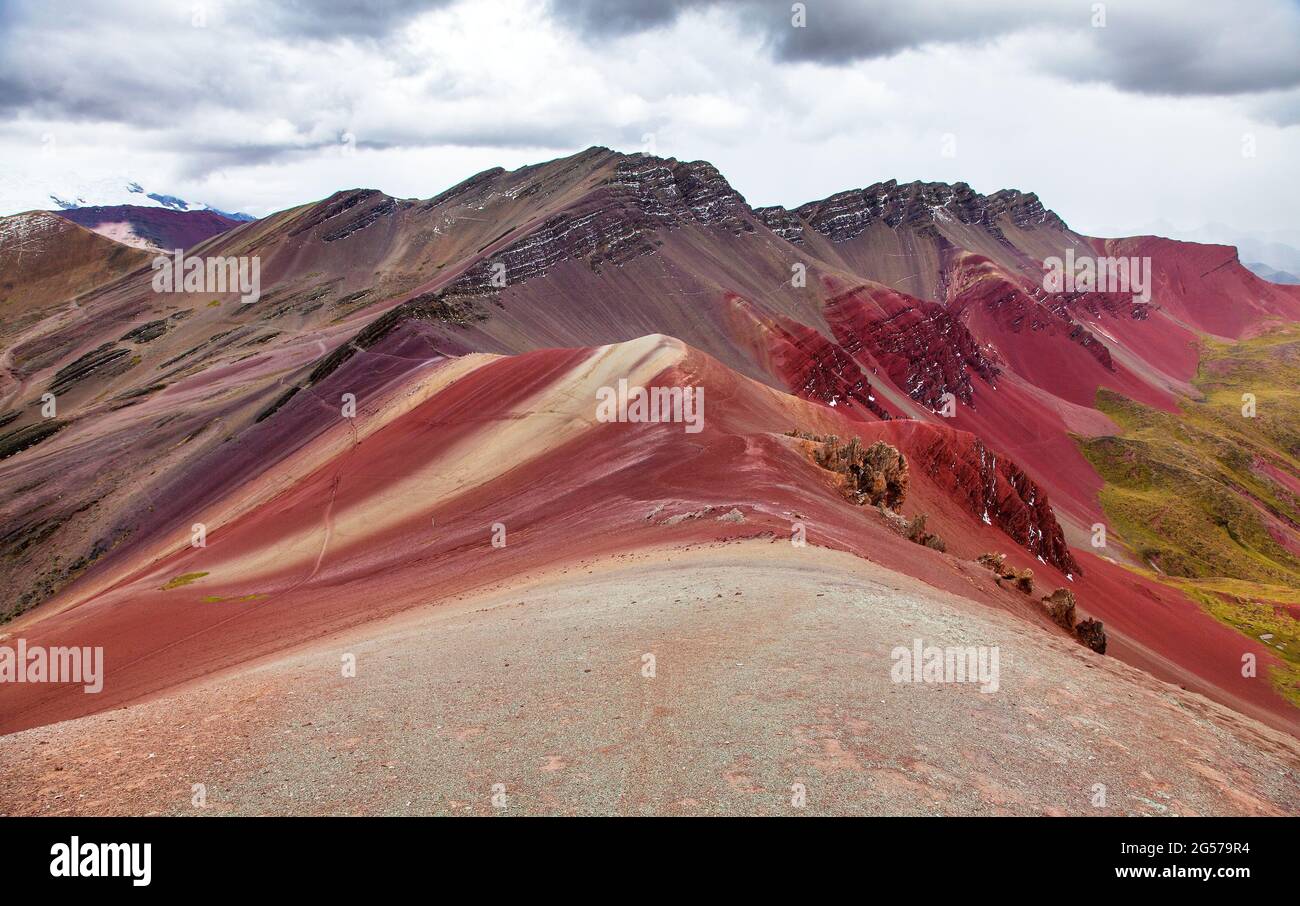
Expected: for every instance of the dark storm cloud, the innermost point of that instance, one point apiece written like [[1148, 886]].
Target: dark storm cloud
[[1241, 48], [599, 18], [1145, 46], [259, 80], [205, 153], [327, 19]]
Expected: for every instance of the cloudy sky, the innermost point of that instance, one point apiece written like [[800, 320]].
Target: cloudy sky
[[1175, 111]]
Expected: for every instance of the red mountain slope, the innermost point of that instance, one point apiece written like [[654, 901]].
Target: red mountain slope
[[473, 329]]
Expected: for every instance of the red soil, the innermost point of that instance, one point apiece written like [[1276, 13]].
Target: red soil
[[352, 539], [1206, 287], [332, 523], [1167, 634]]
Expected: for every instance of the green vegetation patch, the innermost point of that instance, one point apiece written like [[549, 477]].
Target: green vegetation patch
[[1204, 494], [1269, 614], [1191, 492], [182, 580]]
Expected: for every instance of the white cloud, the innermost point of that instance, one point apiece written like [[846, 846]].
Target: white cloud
[[250, 112]]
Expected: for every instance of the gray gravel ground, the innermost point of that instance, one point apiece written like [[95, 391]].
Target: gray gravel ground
[[771, 676]]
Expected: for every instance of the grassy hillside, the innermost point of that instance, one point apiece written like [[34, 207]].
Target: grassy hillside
[[1210, 498]]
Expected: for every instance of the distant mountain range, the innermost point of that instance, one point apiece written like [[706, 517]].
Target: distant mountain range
[[158, 229], [24, 193], [1273, 275]]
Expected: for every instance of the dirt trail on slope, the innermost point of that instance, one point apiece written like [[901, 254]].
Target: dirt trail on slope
[[771, 668]]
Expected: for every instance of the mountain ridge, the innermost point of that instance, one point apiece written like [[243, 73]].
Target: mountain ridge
[[912, 314]]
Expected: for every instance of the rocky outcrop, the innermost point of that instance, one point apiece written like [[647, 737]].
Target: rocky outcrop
[[439, 307], [1060, 607], [815, 368], [918, 533], [875, 475], [1021, 579], [146, 332], [670, 190], [917, 206], [598, 237], [614, 224], [1093, 634], [364, 219], [785, 224], [923, 348], [1020, 309], [610, 225], [105, 359], [15, 441], [345, 213], [996, 491], [467, 187], [1118, 305]]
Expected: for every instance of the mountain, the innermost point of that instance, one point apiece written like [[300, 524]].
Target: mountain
[[19, 192], [1276, 249], [899, 329], [1271, 275], [621, 541], [157, 229], [46, 262]]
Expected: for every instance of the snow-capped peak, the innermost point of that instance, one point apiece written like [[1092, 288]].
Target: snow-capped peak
[[19, 193]]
